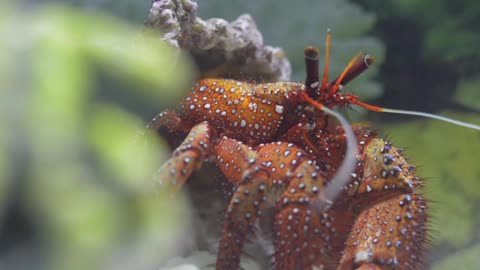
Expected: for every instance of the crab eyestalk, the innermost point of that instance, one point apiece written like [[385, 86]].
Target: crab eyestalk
[[328, 43], [312, 80], [356, 69]]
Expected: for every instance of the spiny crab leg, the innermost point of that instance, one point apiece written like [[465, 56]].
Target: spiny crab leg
[[257, 172]]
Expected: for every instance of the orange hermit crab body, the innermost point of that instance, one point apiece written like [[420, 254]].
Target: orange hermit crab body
[[347, 200], [251, 113]]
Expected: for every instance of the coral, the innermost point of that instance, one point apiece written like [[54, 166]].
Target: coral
[[220, 48]]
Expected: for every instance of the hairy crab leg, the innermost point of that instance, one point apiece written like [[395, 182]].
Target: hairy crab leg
[[257, 173], [186, 158]]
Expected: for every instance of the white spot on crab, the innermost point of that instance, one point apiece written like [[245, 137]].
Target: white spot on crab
[[362, 256], [279, 109], [253, 106], [243, 123]]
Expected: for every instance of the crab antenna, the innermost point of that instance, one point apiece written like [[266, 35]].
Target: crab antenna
[[328, 44], [342, 175], [312, 81], [423, 114]]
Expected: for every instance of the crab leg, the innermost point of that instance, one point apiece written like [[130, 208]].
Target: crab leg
[[238, 163], [242, 212], [256, 172], [299, 232], [170, 120], [186, 158]]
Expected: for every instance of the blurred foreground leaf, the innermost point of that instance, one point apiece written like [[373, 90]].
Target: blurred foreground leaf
[[88, 187]]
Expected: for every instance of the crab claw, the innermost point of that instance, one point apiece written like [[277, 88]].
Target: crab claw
[[395, 237]]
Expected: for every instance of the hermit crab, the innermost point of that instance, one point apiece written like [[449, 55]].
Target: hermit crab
[[343, 198]]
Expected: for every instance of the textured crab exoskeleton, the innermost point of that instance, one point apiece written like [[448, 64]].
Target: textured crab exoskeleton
[[380, 219], [270, 137]]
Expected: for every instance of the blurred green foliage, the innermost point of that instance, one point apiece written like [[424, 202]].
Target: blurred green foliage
[[132, 11], [83, 176], [468, 92], [465, 259]]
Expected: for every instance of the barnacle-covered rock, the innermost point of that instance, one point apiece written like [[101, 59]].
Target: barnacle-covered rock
[[220, 48]]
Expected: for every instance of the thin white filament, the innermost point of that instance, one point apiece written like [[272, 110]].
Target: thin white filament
[[343, 173], [434, 116]]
